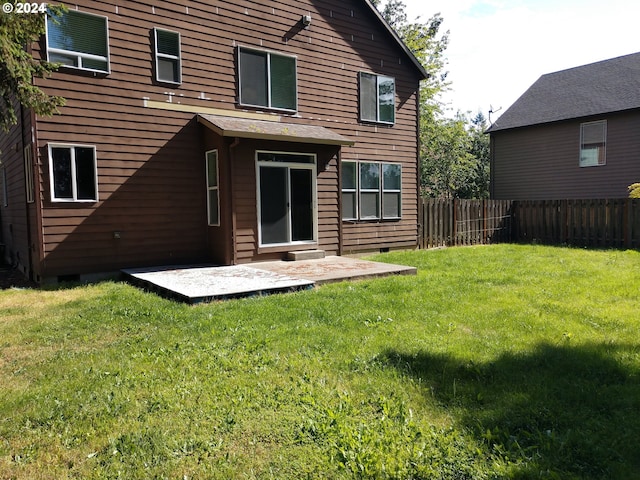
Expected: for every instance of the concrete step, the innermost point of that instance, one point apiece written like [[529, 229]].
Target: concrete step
[[305, 255]]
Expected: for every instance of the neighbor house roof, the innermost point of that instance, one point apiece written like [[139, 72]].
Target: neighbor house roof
[[598, 88]]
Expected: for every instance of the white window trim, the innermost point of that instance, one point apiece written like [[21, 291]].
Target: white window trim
[[74, 181], [597, 164], [314, 195], [79, 55], [269, 53], [159, 55], [211, 189], [378, 78], [381, 191]]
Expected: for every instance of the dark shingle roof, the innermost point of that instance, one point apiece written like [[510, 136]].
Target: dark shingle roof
[[602, 87]]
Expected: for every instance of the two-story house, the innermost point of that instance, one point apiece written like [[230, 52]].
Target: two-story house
[[213, 132]]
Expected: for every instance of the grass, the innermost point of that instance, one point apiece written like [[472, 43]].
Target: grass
[[493, 362]]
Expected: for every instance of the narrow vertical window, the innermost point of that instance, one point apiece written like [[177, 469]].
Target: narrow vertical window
[[377, 98], [167, 53], [391, 190], [73, 173], [28, 174], [369, 190], [349, 191], [593, 142], [5, 194], [213, 191]]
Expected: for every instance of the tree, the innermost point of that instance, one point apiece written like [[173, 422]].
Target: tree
[[634, 190], [454, 152], [18, 67]]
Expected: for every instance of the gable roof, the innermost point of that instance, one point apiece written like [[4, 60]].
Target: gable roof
[[603, 87], [397, 38]]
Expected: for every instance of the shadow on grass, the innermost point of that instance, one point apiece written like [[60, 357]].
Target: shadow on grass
[[556, 412]]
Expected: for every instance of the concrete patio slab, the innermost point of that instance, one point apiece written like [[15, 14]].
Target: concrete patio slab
[[335, 269], [198, 283], [195, 284]]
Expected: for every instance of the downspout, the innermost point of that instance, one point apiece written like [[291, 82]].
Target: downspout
[[234, 250], [27, 208]]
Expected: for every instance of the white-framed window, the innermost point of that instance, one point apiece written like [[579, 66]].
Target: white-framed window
[[593, 143], [377, 98], [29, 184], [391, 190], [5, 193], [73, 173], [167, 55], [371, 191], [213, 190], [267, 79], [78, 40]]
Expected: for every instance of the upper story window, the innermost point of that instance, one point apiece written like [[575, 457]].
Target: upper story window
[[73, 173], [593, 143], [78, 40], [377, 98], [267, 79], [167, 54]]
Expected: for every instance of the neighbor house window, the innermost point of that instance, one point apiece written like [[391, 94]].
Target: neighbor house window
[[593, 143], [377, 98], [73, 173], [167, 52], [213, 191], [371, 191], [79, 40], [267, 79]]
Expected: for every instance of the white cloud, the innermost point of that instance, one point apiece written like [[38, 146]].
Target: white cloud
[[499, 48]]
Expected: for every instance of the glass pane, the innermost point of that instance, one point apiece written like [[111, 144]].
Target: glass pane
[[212, 169], [85, 174], [283, 82], [593, 133], [285, 157], [168, 70], [386, 96], [369, 205], [370, 176], [301, 204], [391, 205], [391, 177], [368, 97], [62, 186], [213, 207], [349, 175], [78, 32], [168, 42], [349, 205], [253, 78], [69, 60], [273, 205], [95, 64]]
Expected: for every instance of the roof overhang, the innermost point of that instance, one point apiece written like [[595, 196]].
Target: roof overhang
[[272, 130]]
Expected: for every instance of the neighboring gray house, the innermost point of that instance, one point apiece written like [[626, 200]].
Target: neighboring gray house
[[572, 134]]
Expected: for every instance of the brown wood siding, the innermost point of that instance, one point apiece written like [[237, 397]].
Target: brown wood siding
[[14, 219], [150, 161], [542, 163]]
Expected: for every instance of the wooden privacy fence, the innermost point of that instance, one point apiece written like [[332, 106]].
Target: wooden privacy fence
[[588, 223]]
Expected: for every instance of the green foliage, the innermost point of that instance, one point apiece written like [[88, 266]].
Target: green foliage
[[454, 154], [18, 67], [634, 190]]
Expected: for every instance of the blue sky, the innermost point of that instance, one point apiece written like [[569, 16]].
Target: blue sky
[[499, 48]]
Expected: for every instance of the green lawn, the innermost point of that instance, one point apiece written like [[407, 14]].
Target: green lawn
[[493, 362]]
